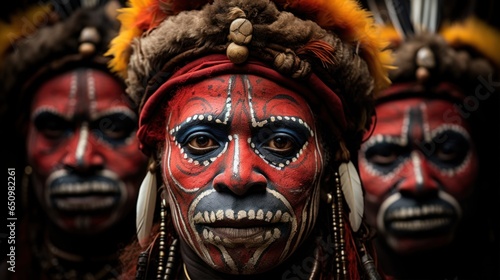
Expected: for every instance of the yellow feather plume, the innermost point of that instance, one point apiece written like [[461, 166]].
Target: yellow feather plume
[[129, 29], [22, 24], [474, 33]]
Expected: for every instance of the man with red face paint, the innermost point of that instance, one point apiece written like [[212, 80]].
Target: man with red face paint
[[424, 171], [84, 163], [250, 116]]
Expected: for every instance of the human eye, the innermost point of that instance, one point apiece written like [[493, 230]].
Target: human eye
[[383, 154], [201, 140], [52, 126], [452, 149], [115, 128], [386, 156], [280, 142], [201, 143]]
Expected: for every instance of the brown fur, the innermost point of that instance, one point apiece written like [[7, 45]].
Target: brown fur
[[203, 31]]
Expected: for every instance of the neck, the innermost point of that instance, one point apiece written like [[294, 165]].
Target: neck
[[96, 246], [195, 268]]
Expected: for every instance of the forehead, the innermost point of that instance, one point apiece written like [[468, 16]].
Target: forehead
[[257, 95], [80, 88], [395, 115]]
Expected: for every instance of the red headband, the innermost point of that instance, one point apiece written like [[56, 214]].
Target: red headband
[[313, 89]]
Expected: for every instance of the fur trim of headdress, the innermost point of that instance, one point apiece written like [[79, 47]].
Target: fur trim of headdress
[[460, 52], [347, 19], [474, 33], [337, 39], [21, 24]]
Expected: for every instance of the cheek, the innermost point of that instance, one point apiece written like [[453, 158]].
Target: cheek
[[127, 161], [43, 155], [375, 185], [298, 181], [184, 173], [460, 184]]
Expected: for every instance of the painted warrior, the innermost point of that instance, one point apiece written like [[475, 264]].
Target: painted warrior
[[425, 168], [84, 166], [250, 112]]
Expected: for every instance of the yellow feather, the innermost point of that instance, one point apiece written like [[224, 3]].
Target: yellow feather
[[22, 24], [119, 49], [474, 33]]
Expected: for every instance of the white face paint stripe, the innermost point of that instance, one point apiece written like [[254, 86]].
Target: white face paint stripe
[[236, 157], [417, 168], [72, 94], [82, 142], [425, 123], [91, 93]]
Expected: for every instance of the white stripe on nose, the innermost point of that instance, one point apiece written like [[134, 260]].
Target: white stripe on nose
[[82, 142], [236, 158]]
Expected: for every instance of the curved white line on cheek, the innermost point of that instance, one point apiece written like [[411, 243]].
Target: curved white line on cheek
[[166, 161], [293, 218], [203, 250], [309, 214]]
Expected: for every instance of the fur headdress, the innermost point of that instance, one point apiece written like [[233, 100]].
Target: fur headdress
[[334, 41], [436, 54]]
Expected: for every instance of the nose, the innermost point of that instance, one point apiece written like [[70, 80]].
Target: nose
[[82, 155], [240, 174], [419, 180]]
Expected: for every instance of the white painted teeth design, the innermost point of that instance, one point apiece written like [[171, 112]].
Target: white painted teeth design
[[415, 212], [240, 235], [208, 217], [84, 206], [416, 225], [85, 187]]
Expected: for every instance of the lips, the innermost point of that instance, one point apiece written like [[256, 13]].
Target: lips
[[250, 228], [420, 220], [84, 196]]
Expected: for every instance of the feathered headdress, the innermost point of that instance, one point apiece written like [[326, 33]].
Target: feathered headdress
[[40, 42], [330, 47], [336, 40], [431, 48]]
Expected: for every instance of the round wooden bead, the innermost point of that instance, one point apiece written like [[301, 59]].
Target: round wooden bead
[[236, 53], [425, 58], [90, 34], [86, 49], [241, 31]]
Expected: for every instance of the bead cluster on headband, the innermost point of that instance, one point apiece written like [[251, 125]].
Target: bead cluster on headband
[[240, 35]]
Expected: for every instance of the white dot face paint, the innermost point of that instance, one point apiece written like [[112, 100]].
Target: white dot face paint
[[82, 147], [242, 164], [417, 168]]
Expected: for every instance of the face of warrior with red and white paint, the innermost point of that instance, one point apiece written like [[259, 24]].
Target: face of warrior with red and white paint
[[418, 168], [82, 147], [242, 164]]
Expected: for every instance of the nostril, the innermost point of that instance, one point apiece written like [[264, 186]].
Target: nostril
[[257, 184]]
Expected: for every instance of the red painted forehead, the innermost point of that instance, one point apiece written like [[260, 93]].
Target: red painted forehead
[[395, 116], [228, 94], [80, 91]]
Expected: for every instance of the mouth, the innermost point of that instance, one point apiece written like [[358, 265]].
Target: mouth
[[93, 196], [244, 228], [428, 219]]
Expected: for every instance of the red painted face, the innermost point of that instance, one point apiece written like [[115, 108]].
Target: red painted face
[[418, 168], [242, 165], [82, 147]]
